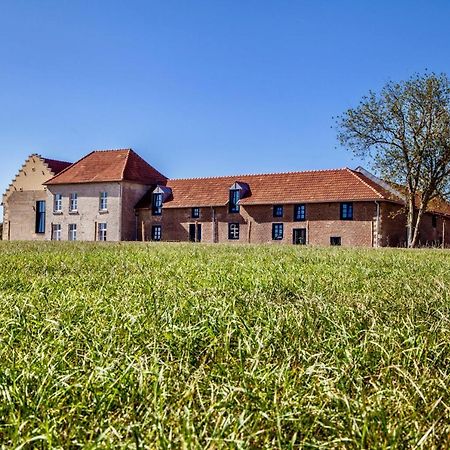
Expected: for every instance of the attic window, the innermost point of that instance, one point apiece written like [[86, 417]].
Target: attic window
[[233, 206]]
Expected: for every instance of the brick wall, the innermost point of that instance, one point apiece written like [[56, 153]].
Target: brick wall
[[131, 194], [322, 222]]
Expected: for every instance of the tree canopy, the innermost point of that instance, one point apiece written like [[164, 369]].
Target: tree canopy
[[404, 130]]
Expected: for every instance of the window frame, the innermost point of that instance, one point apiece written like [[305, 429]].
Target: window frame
[[57, 203], [73, 200], [157, 203], [277, 211], [233, 201], [346, 206], [300, 207], [234, 235], [102, 231], [72, 234], [156, 236], [56, 232], [276, 236], [40, 217], [335, 241], [103, 201]]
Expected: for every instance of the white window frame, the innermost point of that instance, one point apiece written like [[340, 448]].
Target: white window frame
[[56, 232], [102, 231], [57, 203], [73, 202], [103, 201], [233, 231], [72, 231]]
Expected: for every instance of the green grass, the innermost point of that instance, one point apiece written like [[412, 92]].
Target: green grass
[[192, 346]]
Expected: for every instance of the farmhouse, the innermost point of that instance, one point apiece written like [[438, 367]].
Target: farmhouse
[[115, 195]]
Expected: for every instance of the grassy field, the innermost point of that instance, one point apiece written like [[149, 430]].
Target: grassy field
[[192, 346]]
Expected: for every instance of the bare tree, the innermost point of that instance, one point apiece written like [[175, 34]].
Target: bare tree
[[405, 132]]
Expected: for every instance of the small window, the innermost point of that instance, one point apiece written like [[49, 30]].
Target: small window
[[157, 204], [103, 205], [195, 213], [233, 206], [57, 203], [277, 231], [346, 211], [300, 212], [156, 232], [233, 231], [278, 211], [434, 221], [40, 216], [335, 240], [72, 232], [102, 227], [73, 202], [56, 232]]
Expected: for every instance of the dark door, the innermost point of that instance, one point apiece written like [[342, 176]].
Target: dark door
[[299, 236], [192, 232], [199, 232]]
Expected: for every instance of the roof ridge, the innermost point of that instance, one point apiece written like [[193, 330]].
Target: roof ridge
[[125, 164], [364, 182], [259, 174], [112, 150]]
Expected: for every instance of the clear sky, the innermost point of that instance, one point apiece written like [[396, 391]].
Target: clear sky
[[203, 87]]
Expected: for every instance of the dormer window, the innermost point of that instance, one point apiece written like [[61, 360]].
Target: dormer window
[[233, 206], [238, 191], [278, 211], [157, 204]]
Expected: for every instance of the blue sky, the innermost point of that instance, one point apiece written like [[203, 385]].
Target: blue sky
[[203, 87]]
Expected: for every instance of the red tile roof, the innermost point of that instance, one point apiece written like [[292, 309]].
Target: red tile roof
[[56, 166], [109, 165], [292, 187]]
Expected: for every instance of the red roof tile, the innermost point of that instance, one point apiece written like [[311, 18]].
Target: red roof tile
[[292, 187], [56, 166], [109, 165]]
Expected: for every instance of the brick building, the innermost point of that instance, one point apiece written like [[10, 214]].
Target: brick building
[[115, 195]]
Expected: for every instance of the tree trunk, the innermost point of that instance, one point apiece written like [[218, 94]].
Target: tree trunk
[[410, 222]]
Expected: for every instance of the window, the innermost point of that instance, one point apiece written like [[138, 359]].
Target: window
[[72, 232], [73, 202], [335, 240], [278, 211], [346, 211], [157, 204], [40, 216], [57, 203], [277, 231], [233, 231], [233, 206], [156, 232], [56, 232], [102, 231], [299, 212], [103, 205], [195, 213], [434, 221]]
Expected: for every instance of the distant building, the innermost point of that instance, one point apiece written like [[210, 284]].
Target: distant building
[[114, 195]]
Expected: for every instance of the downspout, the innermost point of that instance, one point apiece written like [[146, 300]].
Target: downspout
[[121, 212], [377, 225]]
